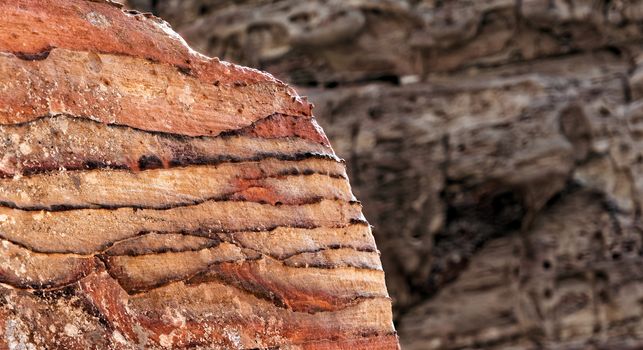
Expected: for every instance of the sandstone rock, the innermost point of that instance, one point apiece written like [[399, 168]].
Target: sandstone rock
[[496, 146], [152, 197]]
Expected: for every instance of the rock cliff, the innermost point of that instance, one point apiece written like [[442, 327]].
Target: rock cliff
[[154, 198]]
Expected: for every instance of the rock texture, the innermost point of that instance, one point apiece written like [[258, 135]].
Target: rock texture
[[152, 198], [496, 145]]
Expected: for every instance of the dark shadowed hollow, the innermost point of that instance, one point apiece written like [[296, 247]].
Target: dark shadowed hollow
[[496, 147]]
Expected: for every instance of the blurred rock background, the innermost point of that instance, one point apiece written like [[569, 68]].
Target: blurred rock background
[[497, 147]]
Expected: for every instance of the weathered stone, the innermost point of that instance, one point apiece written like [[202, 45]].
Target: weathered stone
[[154, 198]]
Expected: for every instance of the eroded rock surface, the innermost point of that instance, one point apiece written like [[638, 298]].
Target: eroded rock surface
[[154, 198]]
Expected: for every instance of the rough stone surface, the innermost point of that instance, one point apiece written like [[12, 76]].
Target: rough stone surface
[[154, 198], [496, 146]]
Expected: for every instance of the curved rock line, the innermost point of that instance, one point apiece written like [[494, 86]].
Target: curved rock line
[[115, 192], [92, 227], [49, 145], [141, 274], [225, 198], [132, 91], [89, 164], [348, 304], [213, 302], [135, 281], [283, 126], [213, 241], [203, 233]]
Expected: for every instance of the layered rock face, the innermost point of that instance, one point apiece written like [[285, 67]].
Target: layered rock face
[[154, 198], [496, 146]]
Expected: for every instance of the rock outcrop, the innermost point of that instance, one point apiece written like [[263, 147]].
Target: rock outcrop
[[496, 146], [152, 197]]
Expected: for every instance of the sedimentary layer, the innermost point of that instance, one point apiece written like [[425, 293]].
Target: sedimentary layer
[[151, 197]]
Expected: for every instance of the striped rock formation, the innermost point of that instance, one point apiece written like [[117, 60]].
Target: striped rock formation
[[151, 197], [497, 146]]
